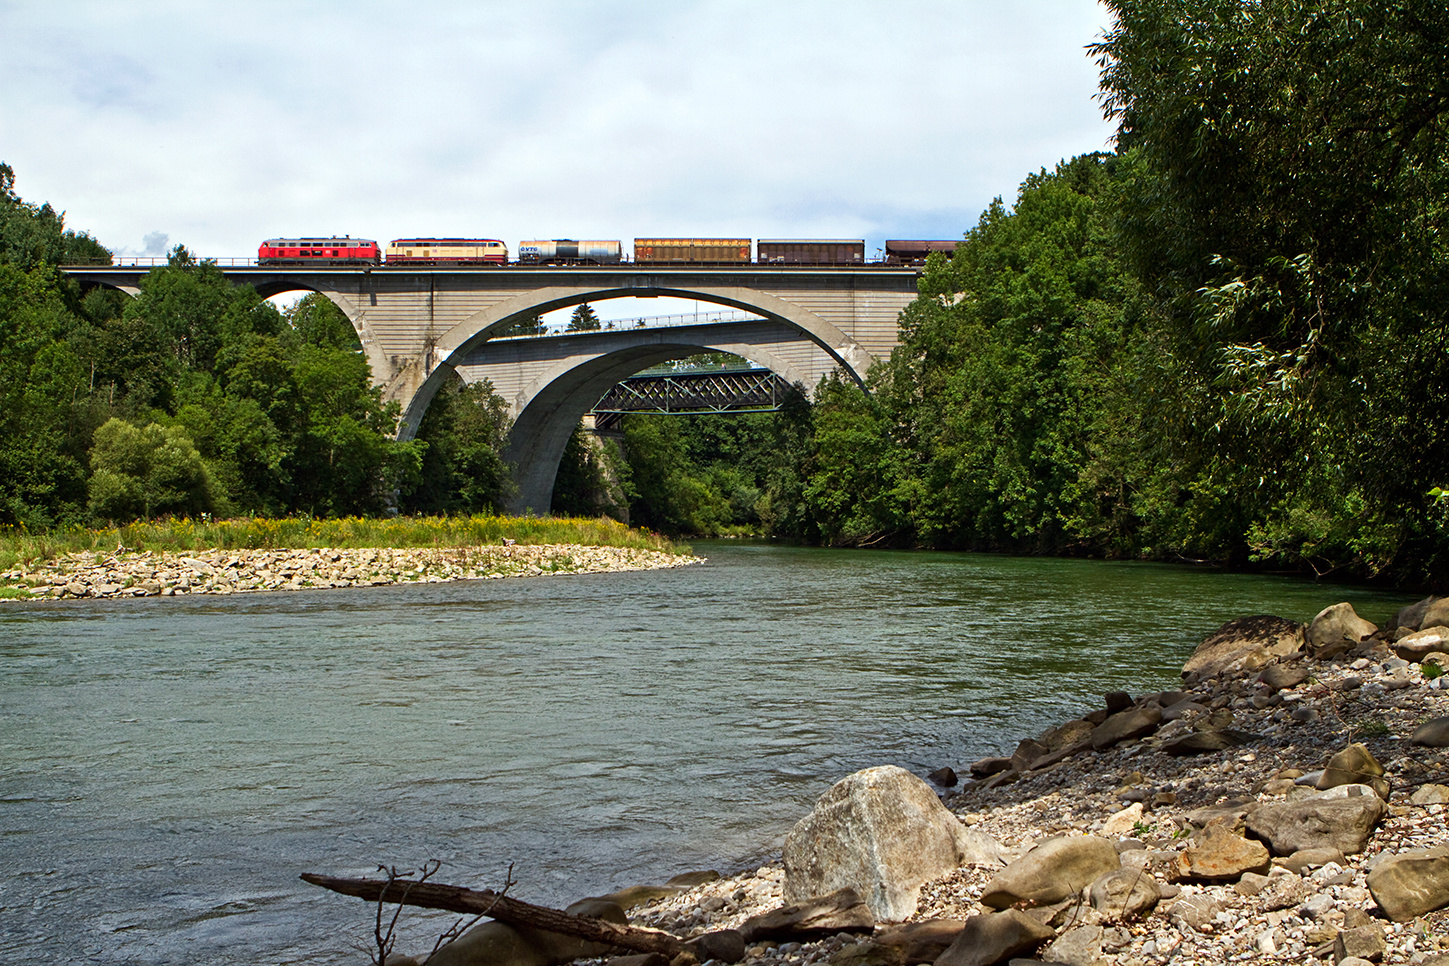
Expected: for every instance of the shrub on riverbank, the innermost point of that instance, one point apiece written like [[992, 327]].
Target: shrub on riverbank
[[18, 545]]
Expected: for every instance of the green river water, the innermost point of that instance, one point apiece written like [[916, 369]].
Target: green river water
[[170, 765]]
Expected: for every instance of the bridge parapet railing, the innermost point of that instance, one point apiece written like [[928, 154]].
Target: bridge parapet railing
[[554, 330], [158, 261]]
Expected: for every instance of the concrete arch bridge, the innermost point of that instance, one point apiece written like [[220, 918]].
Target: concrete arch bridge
[[421, 327]]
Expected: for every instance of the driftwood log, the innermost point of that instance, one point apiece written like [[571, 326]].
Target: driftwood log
[[495, 905]]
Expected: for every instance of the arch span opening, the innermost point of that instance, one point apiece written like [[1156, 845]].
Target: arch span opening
[[557, 402]]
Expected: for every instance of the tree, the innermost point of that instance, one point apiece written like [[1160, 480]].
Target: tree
[[195, 395], [315, 320], [1288, 169], [1009, 417], [187, 318], [462, 468], [666, 490], [585, 483], [42, 468], [47, 412], [141, 472], [345, 458], [240, 440], [33, 235], [853, 490], [584, 319]]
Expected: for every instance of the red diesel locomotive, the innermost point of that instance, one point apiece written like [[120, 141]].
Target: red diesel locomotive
[[319, 251]]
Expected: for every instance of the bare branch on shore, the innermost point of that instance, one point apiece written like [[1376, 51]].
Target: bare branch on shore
[[432, 895]]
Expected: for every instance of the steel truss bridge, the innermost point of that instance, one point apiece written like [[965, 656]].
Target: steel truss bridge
[[688, 392]]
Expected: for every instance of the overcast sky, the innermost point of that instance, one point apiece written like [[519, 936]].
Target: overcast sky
[[216, 125]]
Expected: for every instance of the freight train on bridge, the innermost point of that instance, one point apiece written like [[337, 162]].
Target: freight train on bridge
[[417, 252]]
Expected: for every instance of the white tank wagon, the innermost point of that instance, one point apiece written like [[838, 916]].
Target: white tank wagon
[[567, 251]]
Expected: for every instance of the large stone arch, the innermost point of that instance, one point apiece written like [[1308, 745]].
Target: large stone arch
[[557, 401], [467, 335]]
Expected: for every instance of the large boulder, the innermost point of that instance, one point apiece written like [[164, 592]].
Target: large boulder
[[1056, 869], [884, 833], [1337, 629], [1430, 794], [725, 945], [1410, 884], [1427, 613], [986, 767], [1247, 643], [920, 942], [1341, 818], [1066, 735], [1204, 742], [994, 938], [1411, 616], [1362, 944], [1027, 751], [1283, 677], [1078, 946], [499, 944], [1436, 614]]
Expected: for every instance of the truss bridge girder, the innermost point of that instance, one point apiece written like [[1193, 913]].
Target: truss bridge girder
[[696, 393]]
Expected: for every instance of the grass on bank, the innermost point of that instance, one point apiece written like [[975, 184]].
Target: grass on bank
[[21, 548]]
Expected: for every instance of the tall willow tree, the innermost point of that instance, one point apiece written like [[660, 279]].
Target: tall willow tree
[[1287, 197]]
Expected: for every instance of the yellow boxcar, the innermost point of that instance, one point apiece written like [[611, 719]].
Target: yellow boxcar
[[692, 251]]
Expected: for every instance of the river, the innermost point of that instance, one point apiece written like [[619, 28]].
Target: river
[[170, 765]]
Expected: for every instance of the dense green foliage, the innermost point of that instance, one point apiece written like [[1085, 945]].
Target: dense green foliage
[[46, 416], [1008, 418], [32, 236], [718, 474], [462, 471], [1285, 201]]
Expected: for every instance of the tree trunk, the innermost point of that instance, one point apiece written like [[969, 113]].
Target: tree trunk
[[430, 895]]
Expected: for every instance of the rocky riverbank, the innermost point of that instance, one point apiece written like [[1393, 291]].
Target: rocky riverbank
[[147, 574], [1287, 804]]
